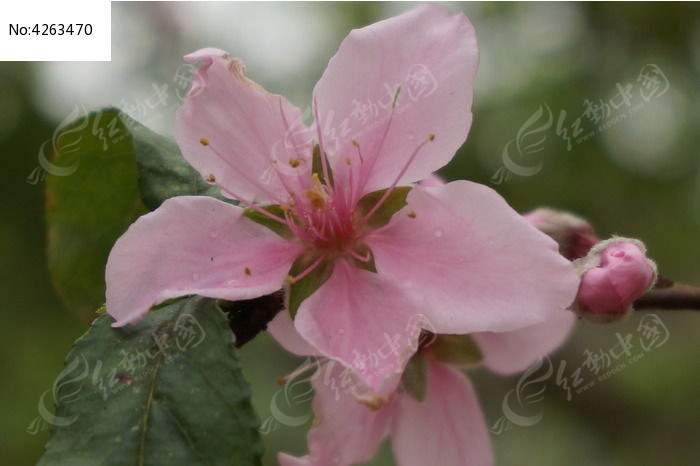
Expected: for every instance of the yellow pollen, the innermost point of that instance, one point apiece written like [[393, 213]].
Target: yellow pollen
[[348, 161], [294, 163], [431, 137], [289, 280], [317, 195], [247, 271], [211, 178], [355, 143], [411, 214], [273, 160], [317, 199], [204, 141]]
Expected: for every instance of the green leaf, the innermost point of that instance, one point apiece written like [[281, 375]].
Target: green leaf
[[108, 170], [168, 390], [163, 171], [458, 350], [414, 377], [298, 291], [272, 224], [89, 209], [392, 204]]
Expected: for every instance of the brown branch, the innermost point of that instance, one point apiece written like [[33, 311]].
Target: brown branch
[[669, 296]]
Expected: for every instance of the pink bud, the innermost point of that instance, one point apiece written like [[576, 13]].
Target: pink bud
[[614, 274], [574, 234]]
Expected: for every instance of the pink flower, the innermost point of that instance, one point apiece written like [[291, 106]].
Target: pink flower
[[615, 273], [447, 428], [329, 212]]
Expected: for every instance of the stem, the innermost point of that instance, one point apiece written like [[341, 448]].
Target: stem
[[670, 296]]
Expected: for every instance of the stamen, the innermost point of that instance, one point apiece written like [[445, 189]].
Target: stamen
[[431, 138], [251, 205], [324, 162], [244, 175], [291, 280], [366, 258], [356, 145]]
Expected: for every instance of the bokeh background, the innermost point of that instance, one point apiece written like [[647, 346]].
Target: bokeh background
[[638, 177]]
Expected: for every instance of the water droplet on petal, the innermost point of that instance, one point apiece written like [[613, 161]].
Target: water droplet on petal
[[438, 233]]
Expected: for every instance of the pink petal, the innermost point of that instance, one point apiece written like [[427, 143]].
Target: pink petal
[[473, 263], [362, 320], [244, 128], [512, 352], [282, 330], [345, 432], [447, 428], [354, 96], [193, 245], [285, 459]]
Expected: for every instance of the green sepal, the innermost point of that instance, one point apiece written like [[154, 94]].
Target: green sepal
[[414, 378], [368, 265], [262, 219], [457, 350], [392, 204], [298, 291], [317, 167]]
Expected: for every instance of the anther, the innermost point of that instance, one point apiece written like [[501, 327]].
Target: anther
[[411, 214], [210, 178], [247, 271], [431, 137], [204, 141]]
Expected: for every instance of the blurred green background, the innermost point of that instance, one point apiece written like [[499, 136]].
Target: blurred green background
[[638, 177]]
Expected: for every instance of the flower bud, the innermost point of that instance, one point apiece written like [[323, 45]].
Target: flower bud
[[574, 234], [614, 274]]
